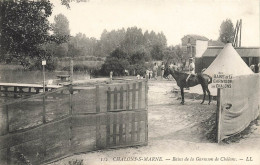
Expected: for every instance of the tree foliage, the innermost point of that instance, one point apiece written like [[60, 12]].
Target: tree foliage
[[61, 25], [25, 29], [130, 41], [226, 32], [116, 62]]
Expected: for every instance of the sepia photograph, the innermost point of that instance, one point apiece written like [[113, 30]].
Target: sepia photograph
[[129, 82]]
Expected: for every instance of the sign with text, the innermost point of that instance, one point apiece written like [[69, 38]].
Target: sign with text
[[44, 62], [222, 80]]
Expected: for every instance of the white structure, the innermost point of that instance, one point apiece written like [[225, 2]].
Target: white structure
[[228, 61], [201, 47]]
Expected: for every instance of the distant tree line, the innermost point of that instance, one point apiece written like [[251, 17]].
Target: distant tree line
[[27, 37]]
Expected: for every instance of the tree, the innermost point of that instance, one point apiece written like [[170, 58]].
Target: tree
[[116, 62], [170, 55], [157, 52], [25, 29], [137, 61], [226, 32], [61, 25]]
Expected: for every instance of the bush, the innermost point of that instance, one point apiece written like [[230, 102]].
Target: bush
[[117, 66], [138, 68], [81, 68], [51, 64]]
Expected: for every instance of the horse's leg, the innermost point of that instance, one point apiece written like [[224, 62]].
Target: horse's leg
[[204, 94], [207, 89], [182, 96]]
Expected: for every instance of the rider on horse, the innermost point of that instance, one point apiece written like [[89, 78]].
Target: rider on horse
[[191, 68]]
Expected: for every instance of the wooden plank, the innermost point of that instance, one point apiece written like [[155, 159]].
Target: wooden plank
[[108, 99], [218, 116], [146, 94], [114, 128], [139, 94], [4, 128], [108, 131], [133, 96], [120, 128], [138, 127], [121, 97], [15, 92], [43, 110], [7, 119], [27, 85], [127, 128], [98, 135], [5, 90], [115, 98], [133, 127], [97, 99], [127, 97]]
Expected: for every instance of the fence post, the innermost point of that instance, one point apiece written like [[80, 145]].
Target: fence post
[[115, 98], [218, 116], [146, 108], [70, 116], [98, 136]]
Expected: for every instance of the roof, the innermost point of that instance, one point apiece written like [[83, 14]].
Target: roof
[[215, 43], [228, 61], [242, 51], [197, 37]]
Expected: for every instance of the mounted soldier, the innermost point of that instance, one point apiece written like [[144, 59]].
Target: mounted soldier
[[191, 68]]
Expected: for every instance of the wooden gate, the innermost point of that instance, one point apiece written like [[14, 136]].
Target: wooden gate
[[59, 123]]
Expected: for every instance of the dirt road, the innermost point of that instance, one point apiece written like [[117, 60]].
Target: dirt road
[[178, 134]]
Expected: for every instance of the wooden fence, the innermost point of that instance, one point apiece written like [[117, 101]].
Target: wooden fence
[[70, 120], [238, 106]]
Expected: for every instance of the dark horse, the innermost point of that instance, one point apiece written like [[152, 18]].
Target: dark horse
[[194, 80]]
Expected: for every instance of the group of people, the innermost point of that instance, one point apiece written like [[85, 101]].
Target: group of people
[[153, 73]]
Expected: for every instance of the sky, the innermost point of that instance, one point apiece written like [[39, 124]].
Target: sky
[[175, 18]]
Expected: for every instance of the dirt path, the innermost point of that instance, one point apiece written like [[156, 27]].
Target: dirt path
[[181, 131]]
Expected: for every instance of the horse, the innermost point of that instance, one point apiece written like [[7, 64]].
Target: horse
[[193, 80]]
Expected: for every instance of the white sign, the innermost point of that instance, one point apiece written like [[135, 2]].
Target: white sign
[[221, 80], [44, 62]]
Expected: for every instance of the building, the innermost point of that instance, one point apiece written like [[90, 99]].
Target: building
[[195, 45], [250, 55]]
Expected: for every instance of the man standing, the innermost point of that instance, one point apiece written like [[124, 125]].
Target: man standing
[[155, 69], [162, 69], [191, 68]]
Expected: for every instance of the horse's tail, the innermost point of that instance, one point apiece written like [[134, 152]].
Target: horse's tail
[[205, 77], [210, 79]]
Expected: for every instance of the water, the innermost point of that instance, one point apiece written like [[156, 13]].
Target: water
[[35, 77]]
